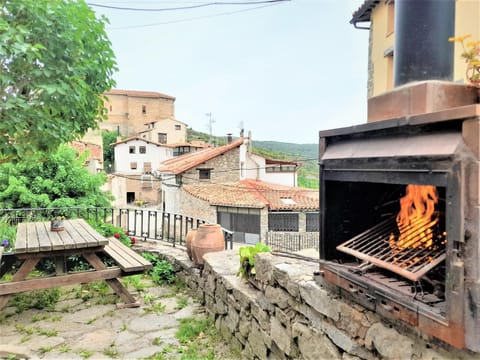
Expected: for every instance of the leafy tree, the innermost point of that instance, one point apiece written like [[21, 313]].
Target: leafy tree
[[60, 180], [108, 151], [55, 62]]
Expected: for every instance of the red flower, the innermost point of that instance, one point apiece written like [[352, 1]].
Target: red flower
[[117, 236], [132, 240]]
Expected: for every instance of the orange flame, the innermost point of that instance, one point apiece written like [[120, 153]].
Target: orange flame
[[416, 217]]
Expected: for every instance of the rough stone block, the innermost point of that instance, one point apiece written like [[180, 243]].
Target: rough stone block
[[263, 267], [312, 345], [288, 275], [244, 325], [282, 337], [210, 284], [260, 315], [231, 320], [388, 342], [471, 135], [256, 343], [320, 299], [220, 307], [277, 296], [353, 321]]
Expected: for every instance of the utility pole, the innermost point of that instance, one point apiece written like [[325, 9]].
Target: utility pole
[[210, 125]]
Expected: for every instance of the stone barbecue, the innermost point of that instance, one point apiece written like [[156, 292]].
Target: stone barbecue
[[399, 211]]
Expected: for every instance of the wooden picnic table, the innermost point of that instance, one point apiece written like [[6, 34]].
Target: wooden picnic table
[[36, 241]]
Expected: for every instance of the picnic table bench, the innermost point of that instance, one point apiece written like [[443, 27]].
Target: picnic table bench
[[36, 241]]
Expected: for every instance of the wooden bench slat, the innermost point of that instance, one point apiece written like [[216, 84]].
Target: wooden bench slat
[[127, 259]]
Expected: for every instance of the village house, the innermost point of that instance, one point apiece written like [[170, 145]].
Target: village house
[[229, 185], [167, 131], [135, 162]]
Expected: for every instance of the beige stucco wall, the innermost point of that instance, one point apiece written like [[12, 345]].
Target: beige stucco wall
[[467, 21], [125, 112], [381, 40]]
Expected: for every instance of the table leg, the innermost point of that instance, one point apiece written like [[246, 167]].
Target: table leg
[[115, 284], [25, 269]]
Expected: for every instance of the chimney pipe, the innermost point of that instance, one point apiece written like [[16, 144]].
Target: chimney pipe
[[422, 50], [229, 138]]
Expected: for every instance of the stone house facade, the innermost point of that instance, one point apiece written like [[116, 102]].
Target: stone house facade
[[128, 111]]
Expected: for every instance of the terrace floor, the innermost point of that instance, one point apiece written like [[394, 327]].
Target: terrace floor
[[85, 324]]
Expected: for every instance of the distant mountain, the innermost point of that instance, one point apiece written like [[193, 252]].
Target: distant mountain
[[304, 154], [304, 151]]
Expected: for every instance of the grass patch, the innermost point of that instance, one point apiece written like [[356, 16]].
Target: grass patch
[[41, 299], [191, 329], [182, 302]]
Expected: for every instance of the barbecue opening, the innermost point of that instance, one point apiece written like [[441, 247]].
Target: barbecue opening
[[390, 233]]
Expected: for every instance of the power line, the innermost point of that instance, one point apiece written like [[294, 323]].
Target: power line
[[190, 7], [192, 18]]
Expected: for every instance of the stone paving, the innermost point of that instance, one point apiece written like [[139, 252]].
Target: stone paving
[[78, 329]]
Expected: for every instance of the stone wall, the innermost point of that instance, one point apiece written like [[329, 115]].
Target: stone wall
[[285, 314]]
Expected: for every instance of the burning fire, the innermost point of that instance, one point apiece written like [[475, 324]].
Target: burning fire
[[416, 218]]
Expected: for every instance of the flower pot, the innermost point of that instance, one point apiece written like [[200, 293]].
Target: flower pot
[[209, 238], [56, 225], [188, 242]]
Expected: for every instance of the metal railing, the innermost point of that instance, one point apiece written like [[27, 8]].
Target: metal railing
[[292, 241], [146, 224]]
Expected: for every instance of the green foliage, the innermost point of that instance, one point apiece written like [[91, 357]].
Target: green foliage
[[247, 259], [191, 328], [56, 61], [40, 299], [109, 230], [58, 180], [8, 234], [108, 151], [162, 271]]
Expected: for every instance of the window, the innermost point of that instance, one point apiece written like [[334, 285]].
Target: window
[[131, 150], [110, 108], [133, 166], [162, 138], [147, 167], [178, 127], [390, 17], [204, 174], [283, 221], [144, 109], [142, 149]]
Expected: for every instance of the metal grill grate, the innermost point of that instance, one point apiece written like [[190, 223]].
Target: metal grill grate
[[374, 246]]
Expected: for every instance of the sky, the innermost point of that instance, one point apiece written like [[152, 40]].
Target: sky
[[283, 71]]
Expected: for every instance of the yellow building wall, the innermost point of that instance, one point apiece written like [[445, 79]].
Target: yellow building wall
[[382, 40], [467, 21]]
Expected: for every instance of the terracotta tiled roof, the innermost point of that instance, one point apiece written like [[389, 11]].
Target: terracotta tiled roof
[[149, 94], [188, 161], [95, 150], [133, 138], [228, 194], [280, 197], [256, 194]]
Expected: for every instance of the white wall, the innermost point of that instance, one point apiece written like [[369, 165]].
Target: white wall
[[155, 154]]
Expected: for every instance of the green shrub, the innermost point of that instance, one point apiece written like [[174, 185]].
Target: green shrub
[[162, 271], [40, 299], [247, 259]]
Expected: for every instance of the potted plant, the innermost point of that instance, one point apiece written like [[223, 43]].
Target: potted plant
[[471, 55], [56, 224]]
